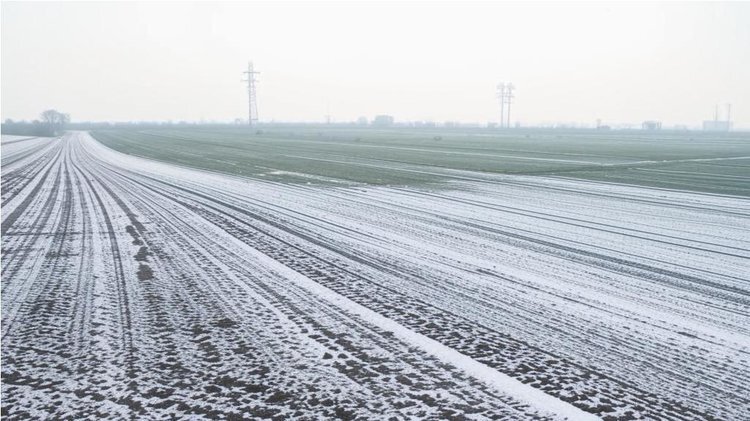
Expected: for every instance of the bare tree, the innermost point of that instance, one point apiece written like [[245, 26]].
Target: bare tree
[[54, 121]]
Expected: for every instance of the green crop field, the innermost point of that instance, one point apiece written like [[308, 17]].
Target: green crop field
[[714, 163]]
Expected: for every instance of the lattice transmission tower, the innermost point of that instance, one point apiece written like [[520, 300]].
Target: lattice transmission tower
[[501, 97], [509, 96], [252, 109], [505, 95]]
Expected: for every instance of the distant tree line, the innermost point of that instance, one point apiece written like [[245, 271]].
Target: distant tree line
[[50, 123]]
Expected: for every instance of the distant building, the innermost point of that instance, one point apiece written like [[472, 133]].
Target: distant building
[[362, 121], [383, 120], [651, 125], [717, 126]]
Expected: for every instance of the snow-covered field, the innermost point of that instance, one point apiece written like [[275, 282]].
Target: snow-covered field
[[132, 288]]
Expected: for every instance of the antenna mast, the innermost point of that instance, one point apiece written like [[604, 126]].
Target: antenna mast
[[252, 110]]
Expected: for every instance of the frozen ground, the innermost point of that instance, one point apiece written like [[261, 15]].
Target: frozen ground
[[132, 288]]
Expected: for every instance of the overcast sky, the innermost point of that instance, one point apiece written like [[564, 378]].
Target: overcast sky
[[570, 62]]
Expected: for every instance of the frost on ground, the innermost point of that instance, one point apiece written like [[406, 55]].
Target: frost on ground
[[132, 288]]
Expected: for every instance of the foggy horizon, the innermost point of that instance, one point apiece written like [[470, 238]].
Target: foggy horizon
[[577, 63]]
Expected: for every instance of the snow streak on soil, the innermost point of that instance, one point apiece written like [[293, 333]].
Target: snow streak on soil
[[132, 288]]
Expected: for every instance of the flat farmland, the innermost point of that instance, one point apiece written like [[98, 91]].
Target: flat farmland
[[315, 273], [713, 163]]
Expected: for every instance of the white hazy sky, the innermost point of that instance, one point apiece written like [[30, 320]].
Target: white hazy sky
[[571, 62]]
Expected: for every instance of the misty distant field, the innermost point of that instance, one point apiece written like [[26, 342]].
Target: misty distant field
[[715, 163]]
